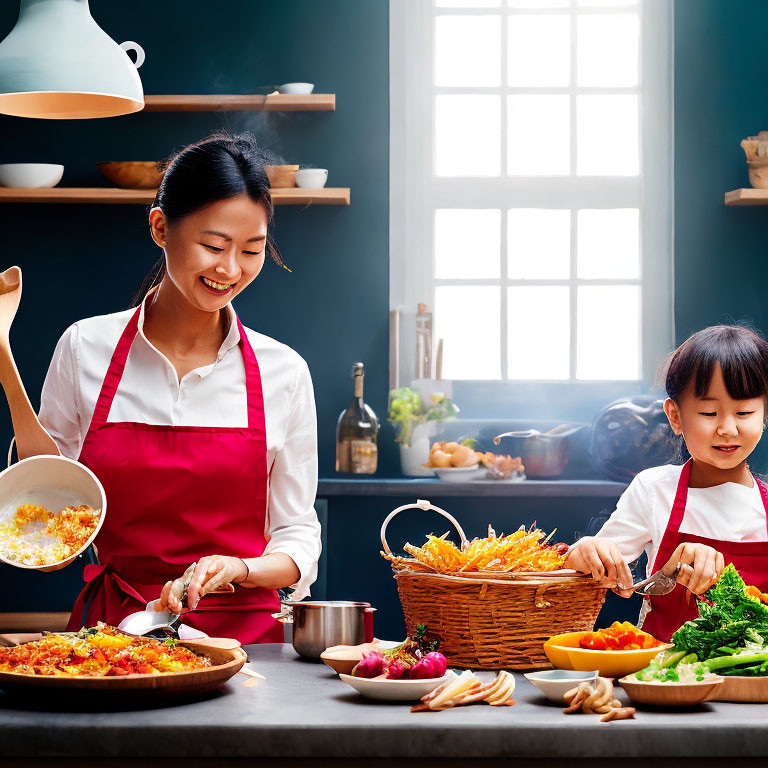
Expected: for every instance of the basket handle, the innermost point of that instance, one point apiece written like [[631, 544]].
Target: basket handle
[[425, 505]]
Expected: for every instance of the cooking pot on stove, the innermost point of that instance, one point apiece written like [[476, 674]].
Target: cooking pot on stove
[[319, 624]]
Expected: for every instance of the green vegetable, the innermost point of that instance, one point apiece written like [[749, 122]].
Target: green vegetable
[[407, 410]]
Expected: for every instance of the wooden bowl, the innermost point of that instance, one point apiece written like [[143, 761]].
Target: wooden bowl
[[281, 176], [741, 688], [661, 694], [342, 659], [133, 174], [564, 652]]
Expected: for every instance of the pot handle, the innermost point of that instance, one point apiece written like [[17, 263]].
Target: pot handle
[[368, 620], [420, 504]]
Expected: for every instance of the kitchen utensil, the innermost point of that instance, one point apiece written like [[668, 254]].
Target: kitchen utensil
[[658, 583], [544, 454], [392, 690], [318, 624], [661, 694], [555, 683], [281, 176], [295, 88], [30, 175], [53, 482], [311, 178], [139, 174]]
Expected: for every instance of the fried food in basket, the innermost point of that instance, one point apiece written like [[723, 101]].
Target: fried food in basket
[[523, 550], [100, 651]]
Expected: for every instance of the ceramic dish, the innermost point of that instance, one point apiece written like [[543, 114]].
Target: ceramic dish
[[311, 178], [392, 690], [564, 652], [295, 88], [555, 683], [660, 694], [30, 175], [459, 474]]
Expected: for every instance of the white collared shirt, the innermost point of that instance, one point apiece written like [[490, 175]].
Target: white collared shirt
[[726, 512], [212, 395]]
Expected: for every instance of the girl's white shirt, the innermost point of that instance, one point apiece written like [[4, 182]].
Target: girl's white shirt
[[726, 512], [213, 395]]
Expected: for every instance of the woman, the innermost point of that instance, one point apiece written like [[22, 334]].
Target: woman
[[202, 432]]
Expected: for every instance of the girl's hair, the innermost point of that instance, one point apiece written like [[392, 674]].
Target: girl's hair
[[217, 168], [743, 358]]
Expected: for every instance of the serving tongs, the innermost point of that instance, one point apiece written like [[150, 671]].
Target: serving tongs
[[657, 584]]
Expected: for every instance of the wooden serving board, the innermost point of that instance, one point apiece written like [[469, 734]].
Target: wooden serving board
[[227, 662], [739, 688]]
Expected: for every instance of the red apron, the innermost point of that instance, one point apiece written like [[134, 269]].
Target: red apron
[[669, 612], [174, 495]]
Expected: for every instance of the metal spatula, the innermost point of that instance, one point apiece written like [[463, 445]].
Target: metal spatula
[[657, 584]]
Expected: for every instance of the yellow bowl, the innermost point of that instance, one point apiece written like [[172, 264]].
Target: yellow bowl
[[564, 652]]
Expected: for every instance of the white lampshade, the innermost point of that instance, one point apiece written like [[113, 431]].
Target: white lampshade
[[57, 63]]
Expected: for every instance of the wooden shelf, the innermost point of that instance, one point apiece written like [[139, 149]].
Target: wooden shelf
[[747, 196], [273, 102], [109, 195]]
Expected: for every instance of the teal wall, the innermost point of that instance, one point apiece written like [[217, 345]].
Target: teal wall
[[721, 271], [83, 260]]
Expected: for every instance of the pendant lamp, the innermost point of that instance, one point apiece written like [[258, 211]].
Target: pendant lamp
[[57, 63]]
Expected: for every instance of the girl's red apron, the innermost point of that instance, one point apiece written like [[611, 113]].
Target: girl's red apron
[[670, 611], [176, 494]]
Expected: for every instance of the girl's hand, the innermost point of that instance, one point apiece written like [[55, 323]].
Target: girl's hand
[[602, 558], [701, 566], [209, 574]]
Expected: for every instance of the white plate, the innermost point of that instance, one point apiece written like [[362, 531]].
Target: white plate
[[459, 474], [392, 690]]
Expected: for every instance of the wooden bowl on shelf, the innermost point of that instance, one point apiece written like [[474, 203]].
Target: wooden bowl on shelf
[[281, 176], [139, 174]]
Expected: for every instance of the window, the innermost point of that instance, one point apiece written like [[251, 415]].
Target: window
[[530, 190]]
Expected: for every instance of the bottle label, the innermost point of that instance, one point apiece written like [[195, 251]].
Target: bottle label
[[363, 456]]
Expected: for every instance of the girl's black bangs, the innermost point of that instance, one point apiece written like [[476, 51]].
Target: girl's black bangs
[[742, 363]]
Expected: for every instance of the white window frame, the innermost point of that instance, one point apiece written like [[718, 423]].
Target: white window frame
[[415, 192]]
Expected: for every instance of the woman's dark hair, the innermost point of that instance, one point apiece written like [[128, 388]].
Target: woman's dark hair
[[217, 168], [741, 352]]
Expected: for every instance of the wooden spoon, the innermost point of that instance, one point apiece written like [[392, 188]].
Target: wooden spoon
[[31, 437]]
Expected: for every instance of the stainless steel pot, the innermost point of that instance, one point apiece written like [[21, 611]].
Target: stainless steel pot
[[319, 624], [544, 454]]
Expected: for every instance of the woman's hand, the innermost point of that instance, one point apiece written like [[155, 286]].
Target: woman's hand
[[209, 574], [701, 566], [602, 558]]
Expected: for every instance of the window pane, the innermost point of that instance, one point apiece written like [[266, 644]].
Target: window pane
[[538, 128], [607, 332], [539, 244], [539, 50], [539, 332], [607, 136], [608, 243], [468, 318], [467, 243], [468, 50], [467, 136], [467, 3], [539, 3], [605, 3], [607, 49]]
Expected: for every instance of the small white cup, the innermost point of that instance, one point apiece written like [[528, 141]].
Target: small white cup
[[295, 88], [311, 178]]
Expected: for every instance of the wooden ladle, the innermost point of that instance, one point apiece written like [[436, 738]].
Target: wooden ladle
[[31, 437]]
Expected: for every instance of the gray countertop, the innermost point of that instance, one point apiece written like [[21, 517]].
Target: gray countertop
[[303, 710]]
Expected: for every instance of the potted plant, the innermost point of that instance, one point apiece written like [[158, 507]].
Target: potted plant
[[415, 423]]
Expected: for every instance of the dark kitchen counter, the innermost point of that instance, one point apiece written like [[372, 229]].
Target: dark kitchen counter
[[303, 711]]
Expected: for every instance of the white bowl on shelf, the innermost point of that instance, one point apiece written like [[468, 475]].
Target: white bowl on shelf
[[311, 178], [30, 175], [295, 88], [460, 474]]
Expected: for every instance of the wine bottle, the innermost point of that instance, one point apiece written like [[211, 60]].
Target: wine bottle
[[356, 432]]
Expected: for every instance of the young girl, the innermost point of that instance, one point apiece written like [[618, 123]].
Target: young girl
[[712, 510]]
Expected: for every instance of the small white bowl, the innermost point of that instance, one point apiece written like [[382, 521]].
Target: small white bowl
[[311, 178], [53, 482], [30, 175], [295, 88], [555, 683], [392, 690], [459, 474]]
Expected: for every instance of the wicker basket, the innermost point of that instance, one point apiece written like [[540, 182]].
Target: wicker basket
[[493, 620]]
